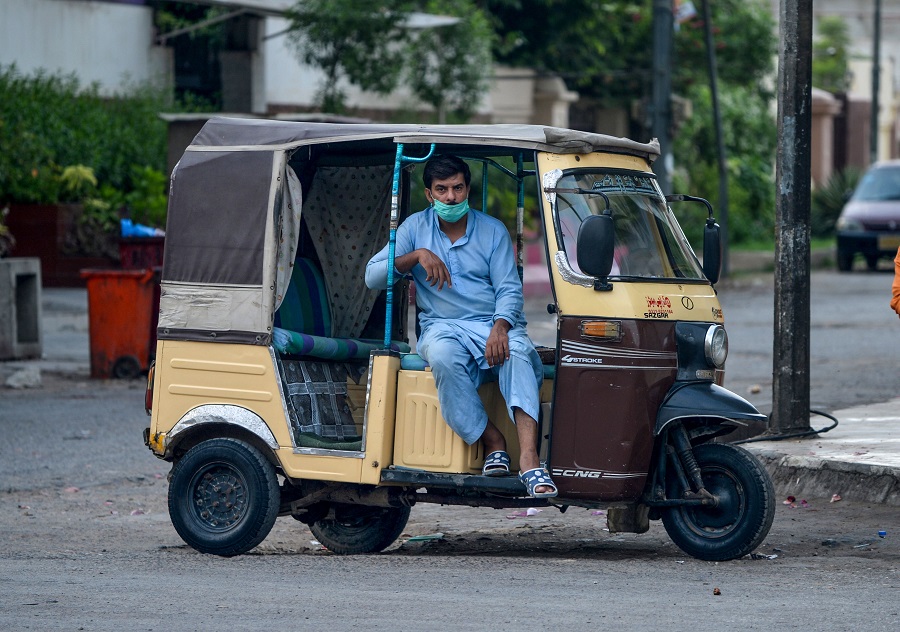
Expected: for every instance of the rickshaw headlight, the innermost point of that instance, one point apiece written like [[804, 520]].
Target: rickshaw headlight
[[715, 346]]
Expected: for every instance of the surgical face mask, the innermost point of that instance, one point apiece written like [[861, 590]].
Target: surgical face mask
[[451, 212]]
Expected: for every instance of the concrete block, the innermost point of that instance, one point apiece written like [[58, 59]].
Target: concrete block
[[20, 308]]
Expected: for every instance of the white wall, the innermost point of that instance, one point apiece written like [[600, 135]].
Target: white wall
[[110, 44], [288, 82]]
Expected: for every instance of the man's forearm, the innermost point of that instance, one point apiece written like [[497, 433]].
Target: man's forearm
[[377, 269], [405, 263]]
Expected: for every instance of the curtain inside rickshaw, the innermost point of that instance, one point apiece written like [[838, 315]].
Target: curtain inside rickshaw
[[289, 233], [347, 212]]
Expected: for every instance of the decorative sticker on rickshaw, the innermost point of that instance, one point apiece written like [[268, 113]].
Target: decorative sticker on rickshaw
[[625, 183], [658, 307]]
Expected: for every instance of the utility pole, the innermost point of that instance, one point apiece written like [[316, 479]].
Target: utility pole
[[722, 160], [790, 394], [663, 25], [876, 82]]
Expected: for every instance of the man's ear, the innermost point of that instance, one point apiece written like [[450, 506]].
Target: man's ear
[[428, 196]]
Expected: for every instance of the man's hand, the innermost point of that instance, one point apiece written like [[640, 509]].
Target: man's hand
[[436, 271], [496, 351]]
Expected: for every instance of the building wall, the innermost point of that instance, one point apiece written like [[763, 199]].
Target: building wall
[[291, 86], [859, 18], [110, 44], [113, 44]]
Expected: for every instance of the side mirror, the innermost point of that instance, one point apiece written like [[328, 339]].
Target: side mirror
[[712, 242], [712, 251], [596, 242]]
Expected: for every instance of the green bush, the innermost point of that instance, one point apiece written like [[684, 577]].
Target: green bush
[[828, 200], [750, 141], [49, 122]]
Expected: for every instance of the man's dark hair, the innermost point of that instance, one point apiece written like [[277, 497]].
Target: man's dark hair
[[446, 166]]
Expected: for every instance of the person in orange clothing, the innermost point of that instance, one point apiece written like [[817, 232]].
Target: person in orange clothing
[[895, 289]]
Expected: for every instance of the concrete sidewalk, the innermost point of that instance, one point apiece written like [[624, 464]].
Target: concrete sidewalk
[[858, 460]]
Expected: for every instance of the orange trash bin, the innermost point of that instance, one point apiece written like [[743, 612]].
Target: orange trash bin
[[123, 312]]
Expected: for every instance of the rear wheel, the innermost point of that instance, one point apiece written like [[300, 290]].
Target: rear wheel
[[741, 519], [223, 497], [360, 529], [844, 260], [872, 262]]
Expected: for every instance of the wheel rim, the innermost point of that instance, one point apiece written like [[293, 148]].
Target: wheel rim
[[218, 497], [721, 520]]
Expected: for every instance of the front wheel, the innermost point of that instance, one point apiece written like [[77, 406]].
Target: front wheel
[[744, 513], [223, 497], [844, 260], [360, 529]]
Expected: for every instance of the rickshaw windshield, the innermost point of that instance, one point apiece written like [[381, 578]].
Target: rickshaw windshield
[[649, 242]]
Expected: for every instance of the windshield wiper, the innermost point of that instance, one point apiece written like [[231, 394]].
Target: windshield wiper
[[580, 192]]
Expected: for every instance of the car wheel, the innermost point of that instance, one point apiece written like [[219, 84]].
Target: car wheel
[[741, 519], [844, 260], [872, 262], [360, 529], [223, 497]]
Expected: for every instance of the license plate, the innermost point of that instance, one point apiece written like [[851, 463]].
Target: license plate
[[888, 242]]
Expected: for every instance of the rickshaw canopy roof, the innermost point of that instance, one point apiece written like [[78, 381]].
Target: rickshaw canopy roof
[[247, 134]]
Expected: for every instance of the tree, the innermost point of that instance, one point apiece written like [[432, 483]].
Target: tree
[[750, 141], [831, 67], [374, 47], [361, 43], [603, 50], [447, 67]]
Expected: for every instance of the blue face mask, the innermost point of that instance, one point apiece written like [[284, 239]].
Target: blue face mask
[[451, 212]]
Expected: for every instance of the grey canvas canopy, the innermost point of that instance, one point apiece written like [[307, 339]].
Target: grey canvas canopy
[[235, 205]]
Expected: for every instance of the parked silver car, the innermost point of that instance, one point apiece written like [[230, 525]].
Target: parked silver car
[[870, 221]]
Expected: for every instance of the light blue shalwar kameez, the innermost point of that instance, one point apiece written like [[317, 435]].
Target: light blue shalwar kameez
[[456, 321]]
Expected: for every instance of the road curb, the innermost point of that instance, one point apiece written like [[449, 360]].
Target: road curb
[[803, 476]]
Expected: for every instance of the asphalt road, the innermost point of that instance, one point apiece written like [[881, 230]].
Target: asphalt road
[[87, 542], [854, 336]]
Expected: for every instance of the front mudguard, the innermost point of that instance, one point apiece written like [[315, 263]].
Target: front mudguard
[[705, 400]]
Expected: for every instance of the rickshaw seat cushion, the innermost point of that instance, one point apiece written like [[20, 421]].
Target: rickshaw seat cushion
[[301, 344], [412, 362], [305, 307], [415, 362]]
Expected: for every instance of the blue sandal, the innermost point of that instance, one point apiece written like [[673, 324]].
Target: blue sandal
[[535, 478], [496, 464]]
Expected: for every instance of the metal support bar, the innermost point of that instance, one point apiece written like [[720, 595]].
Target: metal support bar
[[722, 160], [484, 187], [399, 159], [520, 218], [496, 503]]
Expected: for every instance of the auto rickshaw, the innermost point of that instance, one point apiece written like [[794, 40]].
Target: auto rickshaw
[[282, 386]]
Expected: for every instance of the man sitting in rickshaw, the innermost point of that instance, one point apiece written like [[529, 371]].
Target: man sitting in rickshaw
[[472, 318]]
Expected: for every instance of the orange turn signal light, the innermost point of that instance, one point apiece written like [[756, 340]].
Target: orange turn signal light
[[602, 329]]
